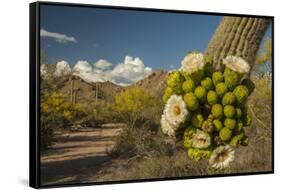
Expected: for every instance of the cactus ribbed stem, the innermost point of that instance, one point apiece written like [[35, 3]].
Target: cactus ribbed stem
[[240, 36]]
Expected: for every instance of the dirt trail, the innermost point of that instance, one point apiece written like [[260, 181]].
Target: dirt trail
[[77, 156]]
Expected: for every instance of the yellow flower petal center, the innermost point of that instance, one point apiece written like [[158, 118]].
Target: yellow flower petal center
[[176, 110], [201, 141], [222, 156]]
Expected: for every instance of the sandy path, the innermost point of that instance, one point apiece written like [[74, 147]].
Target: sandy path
[[77, 156]]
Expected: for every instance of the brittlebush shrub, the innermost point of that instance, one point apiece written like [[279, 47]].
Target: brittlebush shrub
[[136, 105], [56, 112]]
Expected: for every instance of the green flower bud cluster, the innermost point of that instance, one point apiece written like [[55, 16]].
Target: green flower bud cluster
[[174, 83], [216, 103]]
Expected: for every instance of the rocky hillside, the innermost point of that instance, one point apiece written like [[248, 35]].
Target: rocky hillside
[[155, 82], [80, 91], [84, 92]]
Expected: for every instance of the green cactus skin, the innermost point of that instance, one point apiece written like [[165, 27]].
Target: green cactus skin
[[239, 126], [196, 77], [197, 120], [217, 111], [231, 78], [217, 77], [236, 140], [241, 93], [208, 65], [174, 81], [229, 111], [207, 83], [245, 141], [228, 99], [246, 118], [166, 97], [221, 89], [198, 154], [182, 127], [230, 123], [188, 86], [238, 113], [208, 69], [225, 134], [249, 85], [191, 101], [188, 135], [168, 92], [212, 97], [235, 36], [201, 93], [217, 125]]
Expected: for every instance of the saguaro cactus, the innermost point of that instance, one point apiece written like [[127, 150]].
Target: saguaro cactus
[[240, 36]]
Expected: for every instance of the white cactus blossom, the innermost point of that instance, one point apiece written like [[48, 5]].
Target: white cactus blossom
[[236, 64], [221, 157], [201, 139], [166, 127], [175, 110], [193, 62]]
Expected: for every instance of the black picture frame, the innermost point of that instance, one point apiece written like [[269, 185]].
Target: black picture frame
[[34, 92]]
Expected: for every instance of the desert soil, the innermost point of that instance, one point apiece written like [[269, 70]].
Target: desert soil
[[76, 157]]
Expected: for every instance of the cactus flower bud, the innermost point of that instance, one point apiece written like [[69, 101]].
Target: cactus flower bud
[[217, 111], [191, 101], [225, 134]]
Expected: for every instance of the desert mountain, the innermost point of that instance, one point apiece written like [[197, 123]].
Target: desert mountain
[[80, 91], [155, 82]]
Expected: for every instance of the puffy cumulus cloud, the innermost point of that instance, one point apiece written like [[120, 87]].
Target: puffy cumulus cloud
[[124, 74], [82, 67], [86, 71], [61, 38], [102, 64], [62, 68], [130, 71]]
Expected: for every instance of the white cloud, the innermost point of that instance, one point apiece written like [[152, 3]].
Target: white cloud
[[102, 64], [86, 71], [62, 68], [130, 71], [61, 38], [124, 74], [82, 67], [43, 71]]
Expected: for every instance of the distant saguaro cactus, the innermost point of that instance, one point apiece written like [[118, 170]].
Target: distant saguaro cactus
[[71, 90], [240, 36]]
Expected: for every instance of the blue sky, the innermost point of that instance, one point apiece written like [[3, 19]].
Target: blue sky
[[159, 39]]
